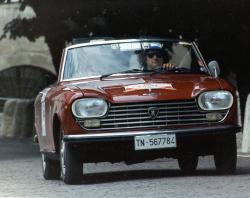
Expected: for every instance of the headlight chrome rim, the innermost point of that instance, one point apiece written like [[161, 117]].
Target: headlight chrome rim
[[202, 106], [73, 108]]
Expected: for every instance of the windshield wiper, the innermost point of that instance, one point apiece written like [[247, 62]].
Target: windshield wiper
[[122, 72]]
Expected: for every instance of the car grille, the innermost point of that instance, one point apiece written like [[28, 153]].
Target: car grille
[[171, 113]]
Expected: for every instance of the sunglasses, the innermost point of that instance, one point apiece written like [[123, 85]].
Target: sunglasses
[[157, 54]]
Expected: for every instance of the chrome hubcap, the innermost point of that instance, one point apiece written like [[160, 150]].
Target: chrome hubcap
[[43, 163]]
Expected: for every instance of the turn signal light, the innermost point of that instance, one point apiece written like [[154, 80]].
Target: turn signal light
[[92, 123], [213, 116]]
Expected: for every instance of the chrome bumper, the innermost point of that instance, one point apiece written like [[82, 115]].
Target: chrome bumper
[[130, 134]]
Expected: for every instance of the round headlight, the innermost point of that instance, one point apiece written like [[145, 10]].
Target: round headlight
[[89, 108], [215, 100]]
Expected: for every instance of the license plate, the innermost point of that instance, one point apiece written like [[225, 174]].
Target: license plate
[[155, 141]]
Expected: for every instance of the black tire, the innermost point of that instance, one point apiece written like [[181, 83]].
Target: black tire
[[51, 168], [188, 163], [71, 165], [226, 157]]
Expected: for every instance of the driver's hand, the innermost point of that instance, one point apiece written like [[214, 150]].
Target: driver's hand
[[168, 66]]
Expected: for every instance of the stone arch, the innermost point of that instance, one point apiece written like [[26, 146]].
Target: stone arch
[[19, 56]]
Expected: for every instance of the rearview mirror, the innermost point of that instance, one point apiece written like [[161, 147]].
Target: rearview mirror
[[214, 68]]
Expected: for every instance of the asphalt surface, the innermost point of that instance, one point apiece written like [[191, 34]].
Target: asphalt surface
[[21, 176]]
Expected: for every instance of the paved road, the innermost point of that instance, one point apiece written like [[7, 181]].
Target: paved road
[[20, 176]]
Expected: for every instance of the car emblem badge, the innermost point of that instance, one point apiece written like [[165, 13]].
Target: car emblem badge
[[153, 112]]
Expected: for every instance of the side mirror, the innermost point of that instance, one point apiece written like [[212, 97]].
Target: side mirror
[[214, 68]]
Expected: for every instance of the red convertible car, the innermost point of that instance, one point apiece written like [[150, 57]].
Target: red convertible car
[[134, 100]]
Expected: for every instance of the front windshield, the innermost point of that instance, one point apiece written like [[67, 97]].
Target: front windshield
[[98, 60]]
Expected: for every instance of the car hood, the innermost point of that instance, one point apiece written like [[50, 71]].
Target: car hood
[[157, 87]]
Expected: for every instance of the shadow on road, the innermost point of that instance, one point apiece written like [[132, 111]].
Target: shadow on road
[[11, 149], [107, 177]]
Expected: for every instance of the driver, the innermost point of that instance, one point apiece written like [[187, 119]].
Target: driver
[[155, 60], [155, 57]]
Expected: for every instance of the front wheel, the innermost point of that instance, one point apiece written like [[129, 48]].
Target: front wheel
[[226, 157], [51, 168], [188, 163], [71, 165]]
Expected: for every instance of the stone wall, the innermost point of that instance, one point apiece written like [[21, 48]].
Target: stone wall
[[17, 118]]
